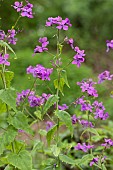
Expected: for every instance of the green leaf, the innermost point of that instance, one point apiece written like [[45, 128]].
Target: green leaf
[[37, 146], [64, 76], [103, 167], [3, 108], [91, 130], [8, 77], [59, 84], [66, 119], [22, 161], [50, 133], [37, 113], [20, 121], [7, 137], [9, 167], [85, 159], [55, 150], [42, 132], [8, 96], [51, 101], [66, 159], [4, 44]]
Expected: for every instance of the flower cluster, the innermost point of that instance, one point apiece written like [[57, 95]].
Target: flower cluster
[[108, 143], [10, 36], [99, 111], [63, 107], [109, 45], [95, 160], [84, 123], [40, 72], [59, 22], [33, 100], [79, 57], [25, 11], [2, 35], [87, 86], [69, 41], [44, 43], [3, 59], [83, 147], [104, 76]]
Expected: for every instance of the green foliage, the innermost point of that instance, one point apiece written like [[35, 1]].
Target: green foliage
[[7, 137], [50, 134], [22, 160], [51, 101], [66, 119], [20, 121], [8, 96]]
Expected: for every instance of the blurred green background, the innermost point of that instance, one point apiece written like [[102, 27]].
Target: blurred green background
[[92, 25]]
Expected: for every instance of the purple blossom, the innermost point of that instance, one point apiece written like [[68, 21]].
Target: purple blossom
[[44, 42], [25, 11], [63, 107], [94, 161], [3, 59], [59, 22], [86, 107], [104, 76], [74, 119], [2, 35], [70, 42], [11, 37], [78, 58], [108, 143], [49, 125], [21, 131], [83, 147], [87, 86], [85, 123], [35, 101], [24, 94], [99, 111], [18, 6], [109, 44], [40, 72], [80, 100]]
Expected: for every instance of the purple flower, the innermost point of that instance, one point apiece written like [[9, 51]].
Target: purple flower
[[25, 11], [35, 101], [80, 100], [63, 107], [85, 123], [2, 35], [61, 24], [24, 94], [44, 42], [18, 6], [108, 143], [94, 161], [3, 59], [49, 125], [40, 72], [83, 147], [104, 76], [88, 87], [11, 37], [69, 41], [78, 58], [74, 119], [109, 45], [21, 131]]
